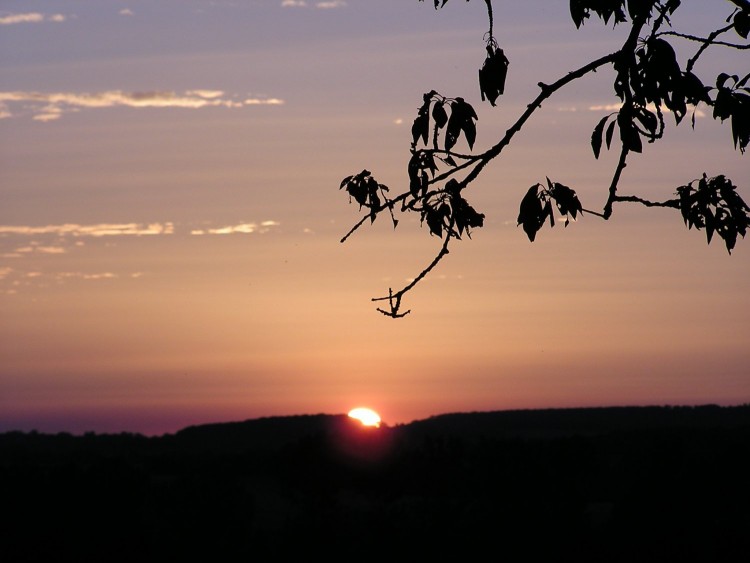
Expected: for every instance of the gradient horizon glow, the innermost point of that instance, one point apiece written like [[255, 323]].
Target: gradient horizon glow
[[170, 221]]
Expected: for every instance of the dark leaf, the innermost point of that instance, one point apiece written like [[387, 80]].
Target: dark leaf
[[421, 127], [566, 200], [531, 213], [435, 222], [345, 181], [461, 120], [631, 139], [647, 119], [742, 23], [493, 73], [694, 89], [741, 121], [578, 11], [610, 133], [596, 136], [723, 105], [439, 114], [549, 213]]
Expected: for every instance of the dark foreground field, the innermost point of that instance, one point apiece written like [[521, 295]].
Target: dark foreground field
[[579, 485]]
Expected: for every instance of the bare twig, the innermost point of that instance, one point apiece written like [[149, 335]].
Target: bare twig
[[394, 299]]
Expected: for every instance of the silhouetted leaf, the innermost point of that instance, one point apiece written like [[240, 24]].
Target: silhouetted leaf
[[566, 199], [694, 89], [741, 120], [578, 12], [493, 73], [439, 114], [596, 136], [629, 135], [647, 119], [532, 213], [610, 133], [345, 181], [421, 126], [461, 120], [742, 23]]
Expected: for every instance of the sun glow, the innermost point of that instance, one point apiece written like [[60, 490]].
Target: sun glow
[[367, 417]]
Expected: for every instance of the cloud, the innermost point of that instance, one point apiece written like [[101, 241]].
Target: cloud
[[80, 275], [650, 107], [264, 101], [40, 249], [126, 12], [50, 106], [294, 4], [99, 230], [4, 272], [241, 228], [330, 5], [30, 17]]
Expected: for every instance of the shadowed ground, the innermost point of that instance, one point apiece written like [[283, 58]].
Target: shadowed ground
[[625, 484]]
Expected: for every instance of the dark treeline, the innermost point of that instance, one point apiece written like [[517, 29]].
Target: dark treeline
[[610, 485]]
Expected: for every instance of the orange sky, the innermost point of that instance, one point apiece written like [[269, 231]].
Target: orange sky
[[170, 223]]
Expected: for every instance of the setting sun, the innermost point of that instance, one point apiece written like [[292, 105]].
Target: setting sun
[[367, 417]]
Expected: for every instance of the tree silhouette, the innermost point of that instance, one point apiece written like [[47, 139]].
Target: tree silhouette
[[649, 83]]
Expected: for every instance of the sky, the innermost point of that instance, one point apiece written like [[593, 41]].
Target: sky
[[170, 218]]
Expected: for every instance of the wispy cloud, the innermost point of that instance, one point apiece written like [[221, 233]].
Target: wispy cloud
[[330, 5], [293, 4], [126, 12], [86, 276], [99, 230], [650, 107], [30, 17], [120, 229], [50, 106], [242, 228], [41, 249]]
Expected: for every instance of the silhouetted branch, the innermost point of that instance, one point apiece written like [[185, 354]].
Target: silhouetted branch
[[492, 21], [673, 203], [547, 91], [649, 83], [394, 299], [621, 164], [706, 43]]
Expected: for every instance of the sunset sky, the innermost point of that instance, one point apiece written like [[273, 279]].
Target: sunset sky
[[170, 218]]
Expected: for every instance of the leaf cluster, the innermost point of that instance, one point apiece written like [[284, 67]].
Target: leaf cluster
[[449, 117], [733, 102], [366, 191], [714, 204], [618, 10], [449, 213], [536, 206]]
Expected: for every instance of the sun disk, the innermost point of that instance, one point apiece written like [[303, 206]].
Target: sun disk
[[367, 417]]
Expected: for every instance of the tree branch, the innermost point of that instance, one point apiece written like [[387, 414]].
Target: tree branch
[[673, 203], [707, 42], [394, 299], [547, 91], [621, 164]]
